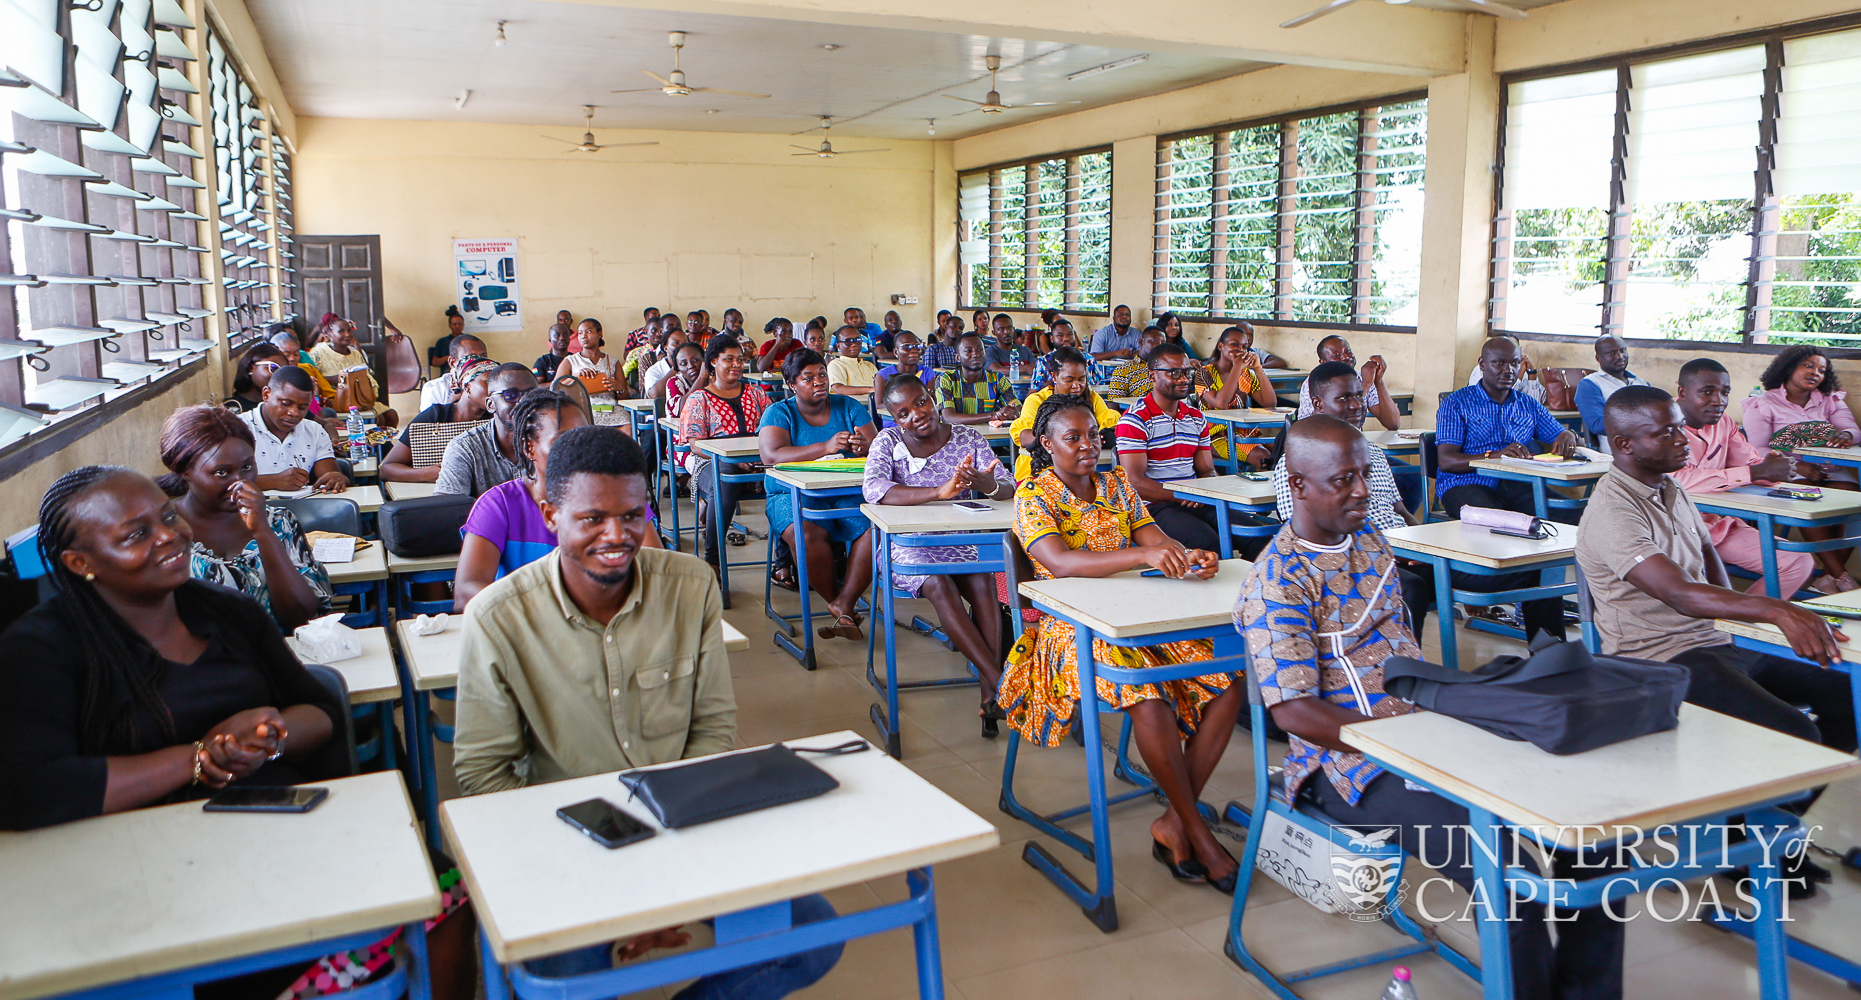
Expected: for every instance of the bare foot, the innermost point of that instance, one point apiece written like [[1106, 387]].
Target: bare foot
[[1166, 830]]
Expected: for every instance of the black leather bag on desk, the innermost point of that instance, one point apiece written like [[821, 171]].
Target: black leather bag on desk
[[1560, 699], [733, 784], [424, 526]]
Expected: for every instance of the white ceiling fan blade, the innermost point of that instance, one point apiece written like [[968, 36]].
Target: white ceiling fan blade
[[1495, 9], [953, 97], [647, 90], [552, 138], [1332, 7], [624, 145], [1039, 104], [814, 153], [663, 82], [729, 93], [850, 152]]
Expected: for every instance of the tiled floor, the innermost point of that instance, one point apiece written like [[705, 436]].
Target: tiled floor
[[1008, 934]]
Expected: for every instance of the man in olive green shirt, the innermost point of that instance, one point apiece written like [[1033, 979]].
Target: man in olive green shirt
[[602, 655]]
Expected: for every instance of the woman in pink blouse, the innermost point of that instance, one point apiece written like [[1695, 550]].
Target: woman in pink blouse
[[1800, 387]]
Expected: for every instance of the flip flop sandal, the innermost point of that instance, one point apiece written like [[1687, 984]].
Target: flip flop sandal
[[844, 628]]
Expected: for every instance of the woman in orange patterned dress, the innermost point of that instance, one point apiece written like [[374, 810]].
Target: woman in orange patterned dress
[[1077, 521]]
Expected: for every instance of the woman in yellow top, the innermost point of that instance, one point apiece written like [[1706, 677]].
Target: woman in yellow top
[[1236, 380], [1069, 367], [1077, 521]]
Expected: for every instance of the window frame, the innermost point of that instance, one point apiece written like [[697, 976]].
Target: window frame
[[1364, 243], [1766, 208], [1030, 255]]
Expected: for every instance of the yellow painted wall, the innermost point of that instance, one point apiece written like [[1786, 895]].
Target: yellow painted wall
[[704, 219]]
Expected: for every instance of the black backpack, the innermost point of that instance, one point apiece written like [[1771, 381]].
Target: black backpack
[[1561, 699], [424, 526]]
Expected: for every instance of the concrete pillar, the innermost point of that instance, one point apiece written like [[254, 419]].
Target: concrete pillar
[[1133, 220], [1463, 124], [943, 290]]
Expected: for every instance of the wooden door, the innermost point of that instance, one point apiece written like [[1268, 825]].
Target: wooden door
[[342, 274]]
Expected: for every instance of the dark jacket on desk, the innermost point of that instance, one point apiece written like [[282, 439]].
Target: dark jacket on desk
[[53, 771]]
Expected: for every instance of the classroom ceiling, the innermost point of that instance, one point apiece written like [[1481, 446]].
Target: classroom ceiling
[[411, 59]]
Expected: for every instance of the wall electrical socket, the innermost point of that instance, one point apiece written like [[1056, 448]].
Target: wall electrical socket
[[904, 300]]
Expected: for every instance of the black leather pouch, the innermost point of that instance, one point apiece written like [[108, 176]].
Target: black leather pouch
[[731, 785]]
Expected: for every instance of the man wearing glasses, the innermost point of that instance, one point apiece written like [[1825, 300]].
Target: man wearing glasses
[[486, 455], [1163, 439]]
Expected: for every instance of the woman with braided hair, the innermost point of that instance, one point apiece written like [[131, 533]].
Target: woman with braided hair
[[1076, 521], [506, 528], [136, 685]]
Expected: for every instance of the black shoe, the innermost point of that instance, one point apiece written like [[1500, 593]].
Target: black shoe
[[1183, 871], [1225, 886], [992, 715]]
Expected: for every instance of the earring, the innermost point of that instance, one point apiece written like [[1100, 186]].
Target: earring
[[90, 576]]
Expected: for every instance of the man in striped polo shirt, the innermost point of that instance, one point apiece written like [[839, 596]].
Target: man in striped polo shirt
[[1163, 439]]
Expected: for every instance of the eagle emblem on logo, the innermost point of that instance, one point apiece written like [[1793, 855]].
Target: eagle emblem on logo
[[1365, 881]]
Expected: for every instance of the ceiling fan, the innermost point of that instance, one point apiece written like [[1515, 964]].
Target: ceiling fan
[[992, 104], [826, 150], [675, 86], [588, 145], [1471, 6]]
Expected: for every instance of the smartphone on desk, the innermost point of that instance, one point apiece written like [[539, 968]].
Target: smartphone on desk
[[267, 799], [605, 823], [973, 507]]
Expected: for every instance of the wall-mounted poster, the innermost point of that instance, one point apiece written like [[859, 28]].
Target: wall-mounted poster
[[488, 288]]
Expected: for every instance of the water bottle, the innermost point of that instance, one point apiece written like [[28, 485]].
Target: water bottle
[[358, 436], [1398, 988]]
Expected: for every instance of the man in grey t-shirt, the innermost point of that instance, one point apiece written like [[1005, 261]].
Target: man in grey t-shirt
[[486, 455]]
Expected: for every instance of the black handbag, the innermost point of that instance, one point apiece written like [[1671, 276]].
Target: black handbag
[[1561, 699], [732, 784], [424, 526]]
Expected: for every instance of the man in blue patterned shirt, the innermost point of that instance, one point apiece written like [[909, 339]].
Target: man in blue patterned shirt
[[1320, 611]]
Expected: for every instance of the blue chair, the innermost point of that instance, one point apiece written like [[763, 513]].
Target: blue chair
[[1270, 799], [338, 689], [343, 517]]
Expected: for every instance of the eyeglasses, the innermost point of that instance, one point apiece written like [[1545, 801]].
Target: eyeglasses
[[270, 366], [511, 395], [1173, 373]]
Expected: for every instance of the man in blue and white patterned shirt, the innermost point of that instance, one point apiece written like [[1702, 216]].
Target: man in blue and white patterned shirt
[[1320, 611]]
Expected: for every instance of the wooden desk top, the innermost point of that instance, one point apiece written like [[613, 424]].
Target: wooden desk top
[[1834, 504], [809, 480], [1565, 472], [1287, 374], [1130, 605], [991, 432], [1481, 547], [408, 564], [371, 676], [150, 891], [1710, 764], [369, 564], [541, 887], [730, 447], [408, 491], [366, 467], [1396, 440], [367, 499], [637, 404], [1847, 600], [1225, 489], [1247, 415], [1123, 402], [1844, 456], [938, 516]]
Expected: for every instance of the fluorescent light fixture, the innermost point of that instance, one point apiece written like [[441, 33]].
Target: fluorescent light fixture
[[1108, 67]]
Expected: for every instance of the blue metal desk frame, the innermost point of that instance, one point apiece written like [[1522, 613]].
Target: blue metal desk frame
[[718, 478], [1235, 436], [992, 557], [1099, 903], [1542, 501], [1769, 521], [1446, 596], [804, 653], [1225, 528], [747, 937], [409, 979]]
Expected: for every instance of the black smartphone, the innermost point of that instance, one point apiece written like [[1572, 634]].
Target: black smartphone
[[605, 823], [267, 799]]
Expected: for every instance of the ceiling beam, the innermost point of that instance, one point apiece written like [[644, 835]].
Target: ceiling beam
[[1367, 37]]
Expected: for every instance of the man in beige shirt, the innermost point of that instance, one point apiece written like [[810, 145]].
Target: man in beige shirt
[[1657, 584], [603, 656]]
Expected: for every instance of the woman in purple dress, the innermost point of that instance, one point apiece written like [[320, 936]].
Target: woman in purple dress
[[924, 458]]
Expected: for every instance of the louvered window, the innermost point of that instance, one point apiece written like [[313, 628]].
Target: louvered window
[[1037, 235]]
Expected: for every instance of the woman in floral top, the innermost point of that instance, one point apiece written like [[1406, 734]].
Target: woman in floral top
[[239, 542], [721, 409], [1076, 521], [924, 458]]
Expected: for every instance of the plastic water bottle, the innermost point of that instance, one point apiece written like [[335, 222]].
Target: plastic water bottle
[[1398, 988], [358, 435]]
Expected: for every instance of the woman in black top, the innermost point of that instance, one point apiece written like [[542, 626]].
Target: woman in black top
[[254, 374], [136, 685]]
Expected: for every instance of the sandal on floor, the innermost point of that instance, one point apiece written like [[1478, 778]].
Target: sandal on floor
[[992, 714], [844, 628], [1224, 886], [1183, 871]]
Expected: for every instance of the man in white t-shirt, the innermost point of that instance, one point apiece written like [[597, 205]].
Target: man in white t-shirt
[[1596, 388], [463, 348], [289, 451]]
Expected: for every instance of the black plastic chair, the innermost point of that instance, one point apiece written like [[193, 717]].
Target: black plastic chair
[[336, 514], [345, 757]]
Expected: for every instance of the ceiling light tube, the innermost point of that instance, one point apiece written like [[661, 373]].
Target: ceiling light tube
[[1108, 67]]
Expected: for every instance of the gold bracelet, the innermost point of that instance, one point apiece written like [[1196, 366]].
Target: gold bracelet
[[199, 749]]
